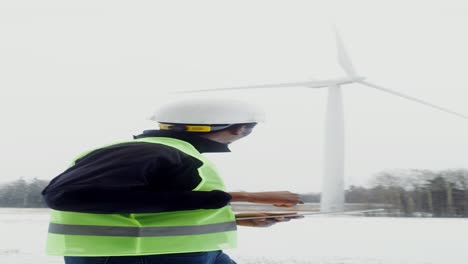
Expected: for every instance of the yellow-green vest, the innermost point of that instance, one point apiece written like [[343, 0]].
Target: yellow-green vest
[[85, 234]]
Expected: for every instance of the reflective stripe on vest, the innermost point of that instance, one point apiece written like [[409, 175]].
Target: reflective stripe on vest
[[89, 230], [85, 234]]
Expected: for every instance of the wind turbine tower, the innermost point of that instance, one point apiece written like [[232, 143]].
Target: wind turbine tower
[[333, 191]]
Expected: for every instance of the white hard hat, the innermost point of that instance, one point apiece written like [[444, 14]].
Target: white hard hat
[[209, 112]]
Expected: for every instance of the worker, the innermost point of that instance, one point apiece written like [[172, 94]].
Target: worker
[[156, 198]]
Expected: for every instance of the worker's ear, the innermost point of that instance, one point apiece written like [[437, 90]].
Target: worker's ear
[[236, 129]]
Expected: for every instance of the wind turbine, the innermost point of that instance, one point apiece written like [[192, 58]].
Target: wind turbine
[[332, 198]]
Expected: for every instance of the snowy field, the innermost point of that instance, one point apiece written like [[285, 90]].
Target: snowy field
[[314, 240]]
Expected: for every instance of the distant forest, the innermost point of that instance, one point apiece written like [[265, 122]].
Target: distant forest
[[22, 193], [408, 193], [417, 192], [413, 193]]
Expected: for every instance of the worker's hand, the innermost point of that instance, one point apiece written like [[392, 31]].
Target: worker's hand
[[282, 199], [265, 222]]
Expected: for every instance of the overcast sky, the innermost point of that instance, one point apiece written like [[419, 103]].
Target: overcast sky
[[76, 75]]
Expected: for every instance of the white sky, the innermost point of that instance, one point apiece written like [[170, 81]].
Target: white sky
[[75, 75]]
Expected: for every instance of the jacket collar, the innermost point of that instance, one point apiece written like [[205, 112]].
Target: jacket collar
[[203, 145]]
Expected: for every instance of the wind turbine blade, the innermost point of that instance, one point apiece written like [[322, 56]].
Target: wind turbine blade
[[343, 58], [414, 99], [263, 86]]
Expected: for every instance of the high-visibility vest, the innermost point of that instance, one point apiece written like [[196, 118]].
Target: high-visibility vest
[[86, 234]]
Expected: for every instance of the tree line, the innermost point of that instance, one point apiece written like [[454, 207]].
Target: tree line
[[415, 192], [23, 193], [409, 192]]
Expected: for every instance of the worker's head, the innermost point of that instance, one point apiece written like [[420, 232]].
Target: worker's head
[[224, 121]]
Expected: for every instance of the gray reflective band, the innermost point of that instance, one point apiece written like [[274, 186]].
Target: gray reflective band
[[91, 230]]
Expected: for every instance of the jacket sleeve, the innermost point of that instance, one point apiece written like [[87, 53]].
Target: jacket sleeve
[[146, 183], [114, 201]]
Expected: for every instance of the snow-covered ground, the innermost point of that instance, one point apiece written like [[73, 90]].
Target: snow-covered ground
[[318, 239]]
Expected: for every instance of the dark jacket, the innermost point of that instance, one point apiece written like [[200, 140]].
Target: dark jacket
[[136, 177]]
